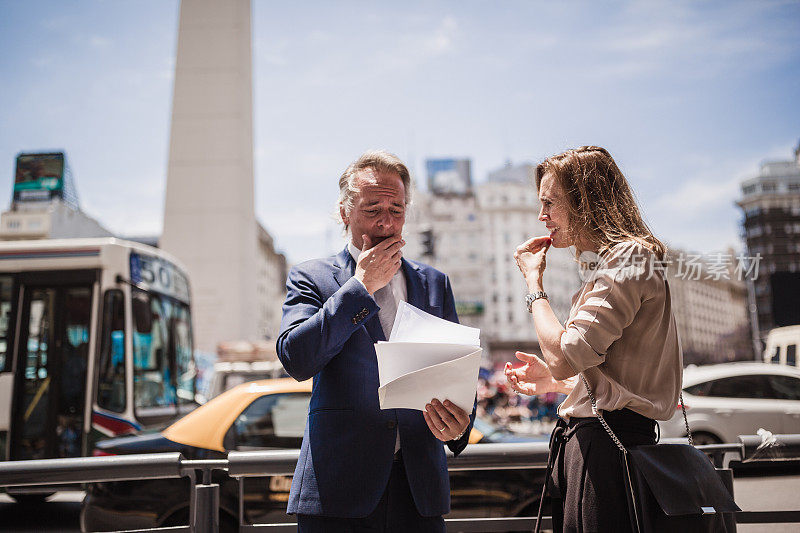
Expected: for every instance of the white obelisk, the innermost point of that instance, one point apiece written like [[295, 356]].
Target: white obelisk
[[209, 214]]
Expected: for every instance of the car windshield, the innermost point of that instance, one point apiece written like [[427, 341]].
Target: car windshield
[[164, 368]]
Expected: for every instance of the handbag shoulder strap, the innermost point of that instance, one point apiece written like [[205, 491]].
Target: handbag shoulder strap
[[685, 421], [600, 417], [608, 429]]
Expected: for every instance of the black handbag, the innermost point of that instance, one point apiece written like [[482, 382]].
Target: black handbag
[[673, 487]]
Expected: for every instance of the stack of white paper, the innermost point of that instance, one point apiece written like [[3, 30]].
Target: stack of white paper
[[427, 357]]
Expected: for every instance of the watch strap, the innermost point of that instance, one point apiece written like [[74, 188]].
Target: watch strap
[[532, 297]]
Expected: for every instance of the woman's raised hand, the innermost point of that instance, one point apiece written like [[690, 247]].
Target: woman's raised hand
[[531, 260], [532, 378]]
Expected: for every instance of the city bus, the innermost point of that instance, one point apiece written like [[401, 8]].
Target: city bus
[[95, 342]]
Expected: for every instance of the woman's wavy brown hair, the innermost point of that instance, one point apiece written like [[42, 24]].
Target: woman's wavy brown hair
[[601, 203]]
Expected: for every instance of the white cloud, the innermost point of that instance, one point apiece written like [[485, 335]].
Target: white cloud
[[274, 53], [303, 233], [712, 183], [298, 222], [320, 36], [97, 41], [44, 61], [442, 40], [696, 197], [699, 213], [167, 70]]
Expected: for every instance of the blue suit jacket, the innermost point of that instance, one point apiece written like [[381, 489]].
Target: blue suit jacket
[[329, 327]]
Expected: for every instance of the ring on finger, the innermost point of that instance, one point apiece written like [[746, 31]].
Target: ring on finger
[[442, 429]]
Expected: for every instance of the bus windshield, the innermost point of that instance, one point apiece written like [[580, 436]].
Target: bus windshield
[[164, 369]]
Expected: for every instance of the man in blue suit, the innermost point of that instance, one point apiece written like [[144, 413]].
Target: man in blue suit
[[362, 468]]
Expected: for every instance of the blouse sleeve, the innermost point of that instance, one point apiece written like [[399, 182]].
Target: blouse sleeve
[[608, 308]]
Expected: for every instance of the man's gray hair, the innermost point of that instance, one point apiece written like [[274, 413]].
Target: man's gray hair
[[377, 160]]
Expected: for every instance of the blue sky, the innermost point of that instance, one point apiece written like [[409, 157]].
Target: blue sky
[[688, 96]]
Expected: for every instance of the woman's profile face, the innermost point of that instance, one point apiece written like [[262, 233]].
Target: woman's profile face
[[555, 212]]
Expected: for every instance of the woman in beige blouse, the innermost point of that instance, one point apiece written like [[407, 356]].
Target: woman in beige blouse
[[620, 334]]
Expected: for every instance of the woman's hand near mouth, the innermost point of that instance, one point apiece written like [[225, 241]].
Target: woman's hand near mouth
[[531, 258]]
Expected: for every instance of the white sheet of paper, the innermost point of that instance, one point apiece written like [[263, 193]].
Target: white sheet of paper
[[396, 359], [427, 357], [412, 374], [415, 325]]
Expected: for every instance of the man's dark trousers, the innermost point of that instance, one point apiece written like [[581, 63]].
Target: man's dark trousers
[[396, 513]]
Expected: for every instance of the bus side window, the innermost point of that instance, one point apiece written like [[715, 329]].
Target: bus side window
[[5, 317], [111, 368]]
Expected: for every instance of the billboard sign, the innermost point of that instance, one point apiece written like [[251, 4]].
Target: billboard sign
[[39, 177], [449, 176]]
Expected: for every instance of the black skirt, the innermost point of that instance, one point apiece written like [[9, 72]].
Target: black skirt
[[587, 483]]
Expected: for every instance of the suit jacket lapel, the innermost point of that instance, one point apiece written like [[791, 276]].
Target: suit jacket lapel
[[416, 286], [347, 268]]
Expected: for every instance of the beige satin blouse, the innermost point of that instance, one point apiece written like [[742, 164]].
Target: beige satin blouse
[[621, 334]]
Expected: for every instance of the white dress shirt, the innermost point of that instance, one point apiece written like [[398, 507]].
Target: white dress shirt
[[387, 298], [397, 290]]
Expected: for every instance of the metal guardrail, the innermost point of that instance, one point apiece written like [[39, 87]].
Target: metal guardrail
[[204, 499]]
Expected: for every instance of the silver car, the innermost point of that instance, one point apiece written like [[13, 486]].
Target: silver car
[[731, 399]]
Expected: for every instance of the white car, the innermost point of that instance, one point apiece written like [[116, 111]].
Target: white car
[[731, 399]]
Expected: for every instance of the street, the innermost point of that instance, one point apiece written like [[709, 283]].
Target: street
[[776, 493], [61, 513]]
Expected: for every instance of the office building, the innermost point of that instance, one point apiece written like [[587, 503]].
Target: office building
[[770, 203], [709, 301]]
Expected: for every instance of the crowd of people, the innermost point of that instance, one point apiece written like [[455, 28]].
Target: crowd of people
[[499, 404]]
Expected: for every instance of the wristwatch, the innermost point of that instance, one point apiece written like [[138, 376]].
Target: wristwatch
[[532, 297]]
